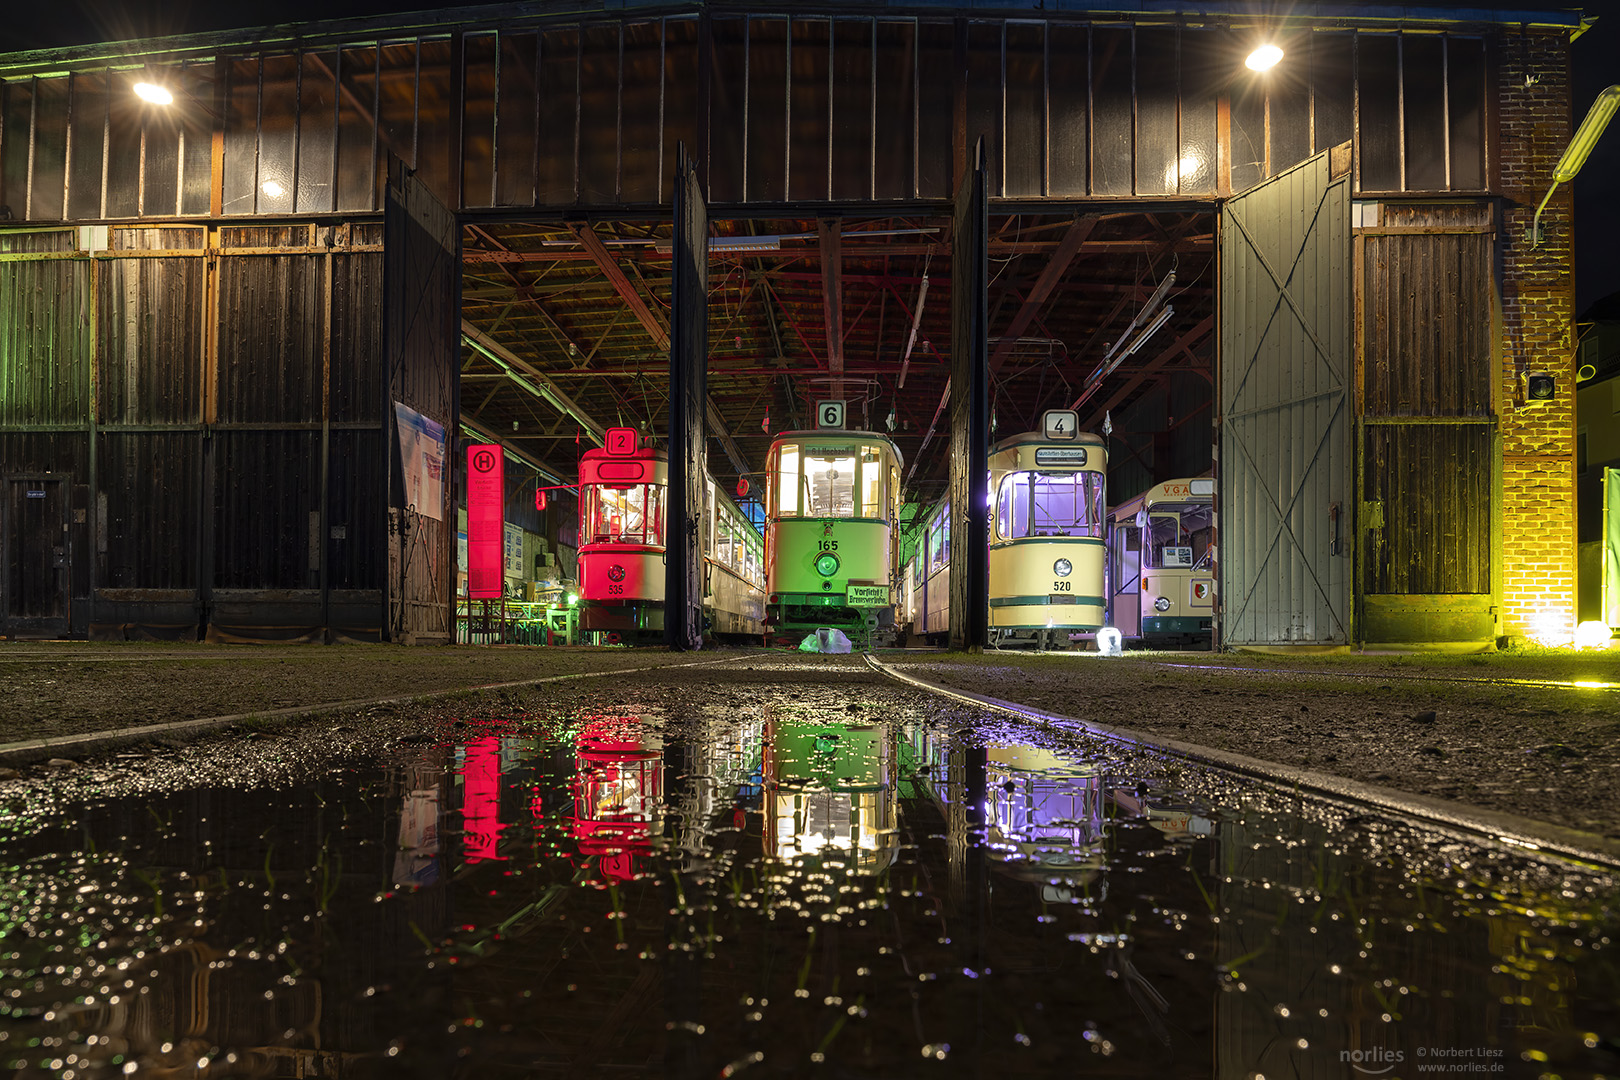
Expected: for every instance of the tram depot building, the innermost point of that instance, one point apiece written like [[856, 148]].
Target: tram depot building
[[246, 333]]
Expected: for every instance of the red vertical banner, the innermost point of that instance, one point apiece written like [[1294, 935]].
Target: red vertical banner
[[486, 519]]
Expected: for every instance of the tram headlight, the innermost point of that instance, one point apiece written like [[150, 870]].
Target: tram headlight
[[1062, 567], [1162, 604], [615, 573], [826, 564]]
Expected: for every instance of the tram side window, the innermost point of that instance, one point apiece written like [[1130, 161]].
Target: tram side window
[[655, 495], [722, 539], [787, 482], [1012, 506], [871, 483], [939, 541], [829, 484]]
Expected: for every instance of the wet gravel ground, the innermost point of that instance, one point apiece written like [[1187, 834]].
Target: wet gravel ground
[[1504, 731], [776, 866]]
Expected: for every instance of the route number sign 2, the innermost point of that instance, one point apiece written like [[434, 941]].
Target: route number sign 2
[[830, 414]]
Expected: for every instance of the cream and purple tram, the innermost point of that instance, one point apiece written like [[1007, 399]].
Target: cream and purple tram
[[1047, 551], [1047, 554], [832, 502]]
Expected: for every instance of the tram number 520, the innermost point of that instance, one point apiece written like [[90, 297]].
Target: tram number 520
[[1062, 586]]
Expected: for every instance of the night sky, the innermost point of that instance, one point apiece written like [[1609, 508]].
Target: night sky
[[42, 24]]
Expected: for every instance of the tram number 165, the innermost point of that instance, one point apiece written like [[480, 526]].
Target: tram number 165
[[829, 545]]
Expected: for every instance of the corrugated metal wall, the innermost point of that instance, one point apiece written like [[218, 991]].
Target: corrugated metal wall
[[1283, 431], [1427, 441], [556, 111]]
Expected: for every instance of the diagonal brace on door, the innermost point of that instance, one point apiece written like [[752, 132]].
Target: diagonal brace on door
[[1283, 293], [1282, 517]]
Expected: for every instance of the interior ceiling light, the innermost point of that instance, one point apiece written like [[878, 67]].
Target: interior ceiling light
[[1266, 56], [154, 93]]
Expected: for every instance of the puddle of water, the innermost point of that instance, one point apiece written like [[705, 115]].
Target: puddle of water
[[772, 888]]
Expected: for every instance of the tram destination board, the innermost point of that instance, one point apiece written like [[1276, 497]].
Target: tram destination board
[[1060, 455], [867, 595]]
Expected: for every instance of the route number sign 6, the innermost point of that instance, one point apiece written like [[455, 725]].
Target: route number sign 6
[[830, 414]]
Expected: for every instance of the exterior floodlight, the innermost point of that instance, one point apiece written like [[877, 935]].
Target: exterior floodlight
[[1592, 634], [1575, 154], [1264, 58], [153, 93]]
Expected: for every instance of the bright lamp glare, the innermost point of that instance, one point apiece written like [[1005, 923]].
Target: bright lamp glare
[[154, 93], [273, 189], [1110, 642], [1266, 56], [1592, 634]]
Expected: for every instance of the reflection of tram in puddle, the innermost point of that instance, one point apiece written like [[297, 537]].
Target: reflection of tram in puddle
[[1165, 812], [618, 791], [830, 794], [1043, 819]]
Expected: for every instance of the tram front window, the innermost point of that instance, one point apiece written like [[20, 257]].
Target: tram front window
[[1049, 504], [1179, 536], [829, 486], [625, 515]]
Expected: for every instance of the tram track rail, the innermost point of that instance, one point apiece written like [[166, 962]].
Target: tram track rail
[[27, 751], [1522, 835]]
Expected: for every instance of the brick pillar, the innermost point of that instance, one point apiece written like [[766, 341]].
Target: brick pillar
[[1538, 312]]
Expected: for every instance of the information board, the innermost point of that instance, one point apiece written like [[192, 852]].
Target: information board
[[486, 519]]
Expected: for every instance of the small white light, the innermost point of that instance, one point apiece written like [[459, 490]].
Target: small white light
[[1266, 56], [154, 93], [1062, 568], [273, 189], [1592, 634], [1110, 642], [1162, 604]]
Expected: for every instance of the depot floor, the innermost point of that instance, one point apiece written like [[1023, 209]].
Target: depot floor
[[1531, 733]]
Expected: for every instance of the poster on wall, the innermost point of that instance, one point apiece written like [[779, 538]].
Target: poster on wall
[[421, 461], [486, 520], [514, 552]]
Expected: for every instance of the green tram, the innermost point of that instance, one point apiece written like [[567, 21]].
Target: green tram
[[832, 504]]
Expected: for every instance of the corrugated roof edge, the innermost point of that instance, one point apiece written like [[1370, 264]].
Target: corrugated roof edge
[[445, 20]]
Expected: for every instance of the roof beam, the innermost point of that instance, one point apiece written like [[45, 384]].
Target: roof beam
[[488, 435], [1050, 275], [1197, 333], [621, 285], [530, 378]]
